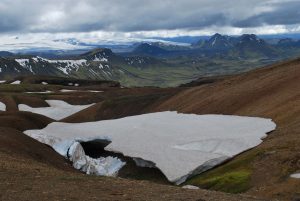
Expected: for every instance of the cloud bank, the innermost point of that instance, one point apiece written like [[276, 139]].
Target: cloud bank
[[95, 20], [140, 15]]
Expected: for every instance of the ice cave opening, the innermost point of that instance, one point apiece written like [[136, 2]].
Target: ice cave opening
[[135, 168], [95, 148]]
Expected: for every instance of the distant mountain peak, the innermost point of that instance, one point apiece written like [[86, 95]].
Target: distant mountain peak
[[218, 41], [284, 40], [100, 50], [99, 54], [145, 44], [217, 35], [289, 42], [149, 49], [250, 38], [250, 46], [6, 54]]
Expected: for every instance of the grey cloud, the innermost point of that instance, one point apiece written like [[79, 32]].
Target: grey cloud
[[141, 15], [283, 14]]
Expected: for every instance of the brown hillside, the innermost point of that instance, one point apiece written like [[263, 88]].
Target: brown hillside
[[272, 92]]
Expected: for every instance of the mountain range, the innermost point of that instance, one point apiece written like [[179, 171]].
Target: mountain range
[[156, 64], [245, 46]]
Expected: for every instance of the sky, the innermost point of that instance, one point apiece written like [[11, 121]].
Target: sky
[[47, 23]]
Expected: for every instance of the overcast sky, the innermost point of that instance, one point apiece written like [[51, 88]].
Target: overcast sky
[[109, 19]]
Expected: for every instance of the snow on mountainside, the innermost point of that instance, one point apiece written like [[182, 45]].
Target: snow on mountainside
[[99, 67], [66, 66], [98, 64]]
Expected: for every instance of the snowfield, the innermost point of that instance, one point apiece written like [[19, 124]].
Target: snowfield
[[2, 107], [58, 109], [180, 145]]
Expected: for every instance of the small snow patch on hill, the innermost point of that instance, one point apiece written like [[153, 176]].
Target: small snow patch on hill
[[58, 109], [16, 82], [295, 176], [2, 107]]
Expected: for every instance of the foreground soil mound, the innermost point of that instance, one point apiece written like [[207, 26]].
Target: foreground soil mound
[[16, 144], [23, 120], [30, 170]]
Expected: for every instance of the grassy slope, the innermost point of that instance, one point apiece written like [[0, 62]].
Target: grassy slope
[[187, 69]]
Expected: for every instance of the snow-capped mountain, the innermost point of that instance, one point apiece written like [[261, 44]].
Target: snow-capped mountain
[[93, 65], [98, 64], [219, 41]]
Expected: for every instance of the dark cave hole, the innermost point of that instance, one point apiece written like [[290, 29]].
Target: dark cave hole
[[95, 149]]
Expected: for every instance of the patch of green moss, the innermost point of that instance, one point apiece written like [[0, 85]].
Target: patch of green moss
[[231, 182], [231, 177]]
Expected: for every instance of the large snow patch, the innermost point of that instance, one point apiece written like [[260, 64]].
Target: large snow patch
[[58, 109], [180, 145]]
